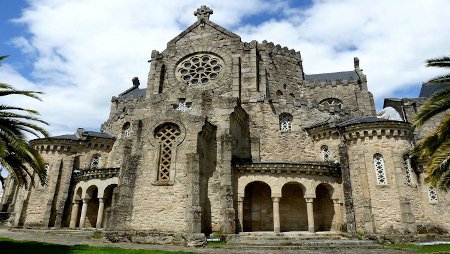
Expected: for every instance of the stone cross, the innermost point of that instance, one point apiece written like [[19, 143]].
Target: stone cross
[[203, 13]]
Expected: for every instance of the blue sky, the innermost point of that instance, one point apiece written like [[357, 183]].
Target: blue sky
[[81, 53]]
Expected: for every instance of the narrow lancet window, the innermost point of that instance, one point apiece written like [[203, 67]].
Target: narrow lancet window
[[380, 171], [325, 153], [285, 122], [95, 161]]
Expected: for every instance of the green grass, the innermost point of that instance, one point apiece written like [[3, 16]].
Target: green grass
[[8, 246], [438, 248], [216, 244]]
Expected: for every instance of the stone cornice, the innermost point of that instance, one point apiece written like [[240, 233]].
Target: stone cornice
[[377, 129], [308, 168], [69, 145], [361, 130]]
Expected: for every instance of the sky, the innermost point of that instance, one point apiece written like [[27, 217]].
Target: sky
[[80, 53]]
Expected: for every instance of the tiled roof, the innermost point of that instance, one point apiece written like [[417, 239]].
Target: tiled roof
[[343, 75]]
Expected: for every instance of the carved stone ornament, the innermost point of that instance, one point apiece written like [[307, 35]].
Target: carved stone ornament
[[203, 13]]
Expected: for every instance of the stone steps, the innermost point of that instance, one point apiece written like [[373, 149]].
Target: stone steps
[[299, 240], [80, 234]]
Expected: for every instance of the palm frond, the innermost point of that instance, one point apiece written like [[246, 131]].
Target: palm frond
[[436, 104], [443, 62], [440, 79]]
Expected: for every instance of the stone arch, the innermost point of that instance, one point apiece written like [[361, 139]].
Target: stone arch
[[75, 207], [323, 207], [108, 195], [293, 215], [92, 206], [78, 194], [258, 207]]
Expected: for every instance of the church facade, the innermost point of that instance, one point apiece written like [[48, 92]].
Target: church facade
[[231, 137]]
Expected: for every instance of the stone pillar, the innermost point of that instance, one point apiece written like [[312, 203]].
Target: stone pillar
[[310, 213], [337, 215], [101, 210], [74, 214], [347, 186], [241, 213], [83, 212], [276, 214]]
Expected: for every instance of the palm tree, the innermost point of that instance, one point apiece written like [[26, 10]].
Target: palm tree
[[16, 154], [435, 147]]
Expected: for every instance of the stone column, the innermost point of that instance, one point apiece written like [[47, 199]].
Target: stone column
[[83, 212], [74, 214], [276, 214], [101, 210], [337, 215], [310, 212], [241, 213]]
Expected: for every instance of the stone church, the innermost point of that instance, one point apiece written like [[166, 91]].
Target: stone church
[[230, 137]]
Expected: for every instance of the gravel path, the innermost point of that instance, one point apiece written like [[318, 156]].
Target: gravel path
[[80, 239]]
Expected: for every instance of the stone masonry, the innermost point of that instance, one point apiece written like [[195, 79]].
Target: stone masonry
[[229, 137]]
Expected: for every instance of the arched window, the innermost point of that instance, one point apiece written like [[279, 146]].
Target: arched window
[[380, 171], [279, 94], [432, 194], [166, 136], [332, 102], [95, 161], [325, 153], [407, 169], [285, 122], [126, 129]]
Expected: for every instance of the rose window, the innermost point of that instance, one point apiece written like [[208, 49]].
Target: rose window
[[199, 69]]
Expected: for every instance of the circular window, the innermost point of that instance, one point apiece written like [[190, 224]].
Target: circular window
[[199, 69]]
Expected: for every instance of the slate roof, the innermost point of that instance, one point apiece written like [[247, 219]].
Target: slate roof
[[95, 134], [429, 89], [364, 119], [343, 75], [133, 94]]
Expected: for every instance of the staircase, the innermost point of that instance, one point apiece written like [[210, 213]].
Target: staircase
[[298, 240]]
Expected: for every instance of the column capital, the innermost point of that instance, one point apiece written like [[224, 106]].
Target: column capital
[[276, 199], [101, 200], [336, 201], [309, 200], [75, 202], [86, 200], [241, 199]]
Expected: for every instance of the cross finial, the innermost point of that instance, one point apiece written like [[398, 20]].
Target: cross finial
[[203, 13]]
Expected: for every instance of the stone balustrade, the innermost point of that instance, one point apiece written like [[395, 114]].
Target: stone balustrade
[[100, 173]]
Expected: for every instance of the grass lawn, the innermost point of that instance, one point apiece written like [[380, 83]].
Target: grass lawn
[[439, 248], [8, 246]]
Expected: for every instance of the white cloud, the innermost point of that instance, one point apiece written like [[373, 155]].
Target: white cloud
[[87, 51]]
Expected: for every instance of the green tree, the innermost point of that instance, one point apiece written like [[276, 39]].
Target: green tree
[[16, 154], [435, 147]]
